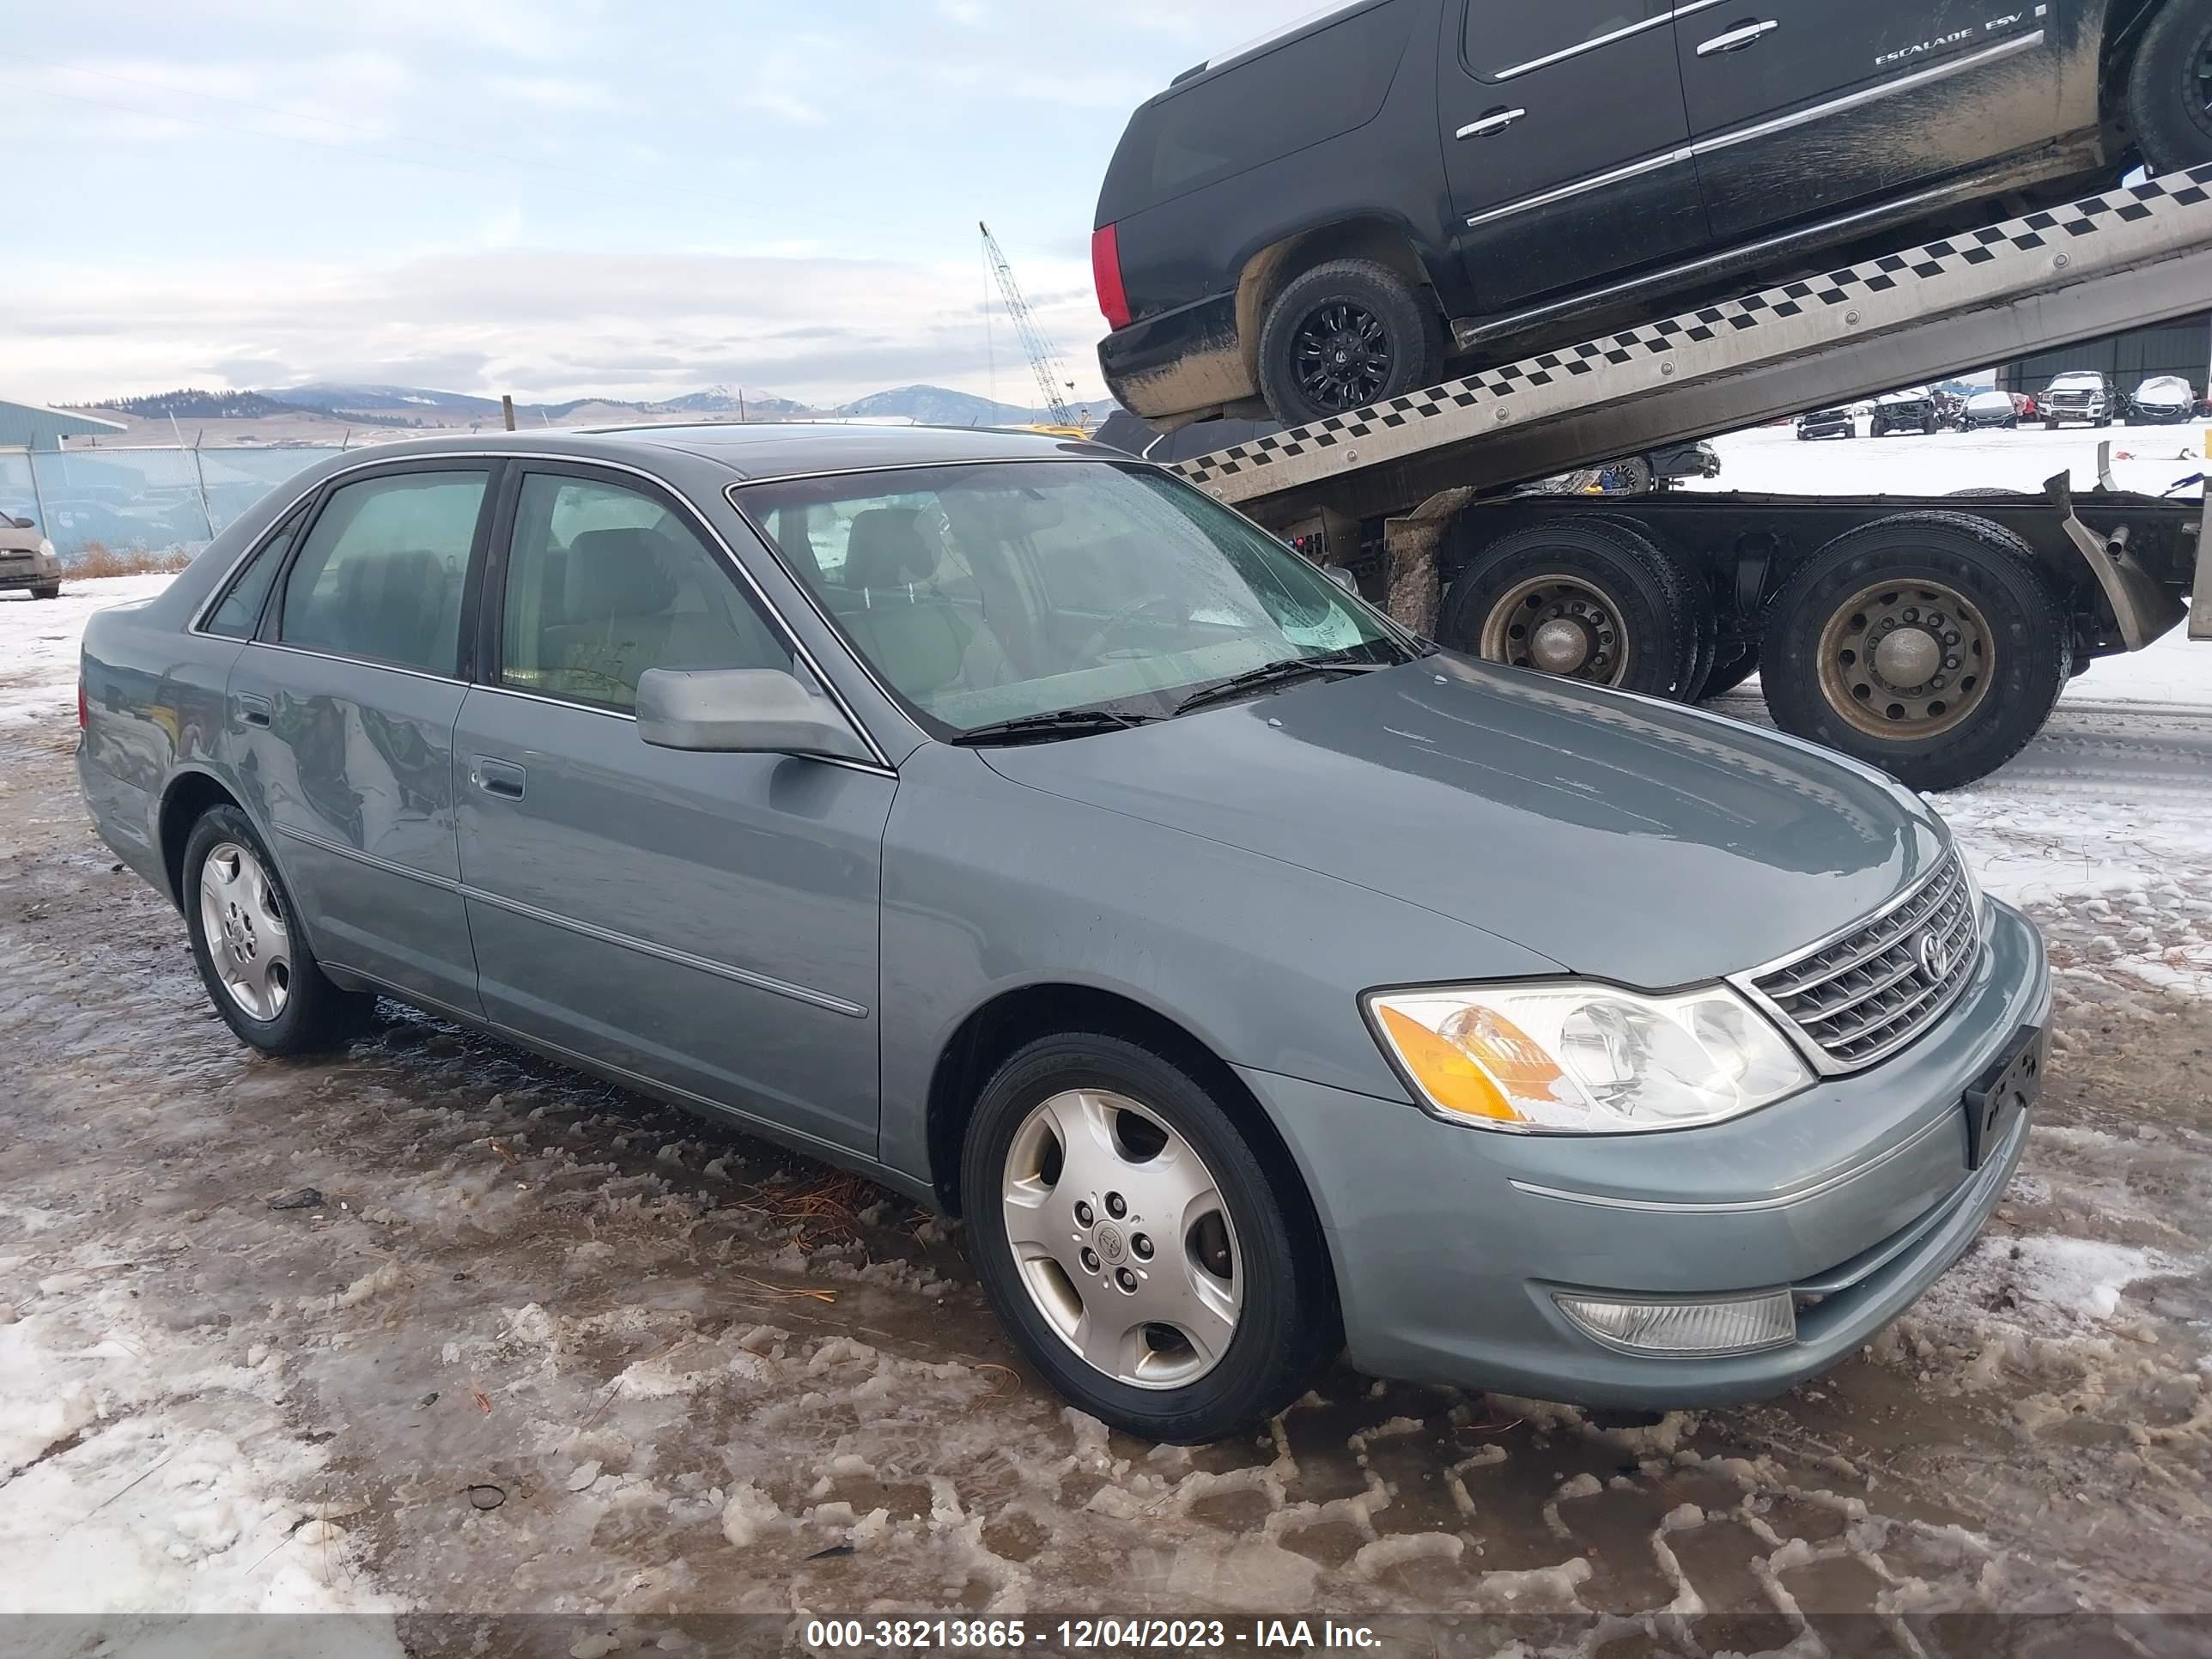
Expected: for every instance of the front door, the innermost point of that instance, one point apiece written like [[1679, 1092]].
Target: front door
[[1563, 130], [343, 709], [704, 921], [1801, 108]]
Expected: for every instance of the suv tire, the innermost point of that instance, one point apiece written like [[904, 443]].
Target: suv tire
[[1391, 339], [47, 591], [1826, 677], [1264, 1299], [2167, 88], [252, 955]]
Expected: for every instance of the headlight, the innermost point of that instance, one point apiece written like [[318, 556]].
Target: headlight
[[1568, 1056]]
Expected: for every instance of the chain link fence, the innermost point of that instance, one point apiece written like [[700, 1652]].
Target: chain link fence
[[151, 500]]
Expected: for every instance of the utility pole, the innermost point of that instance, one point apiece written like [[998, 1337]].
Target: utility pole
[[507, 409]]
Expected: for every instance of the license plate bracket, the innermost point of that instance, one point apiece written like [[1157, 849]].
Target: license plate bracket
[[2005, 1092]]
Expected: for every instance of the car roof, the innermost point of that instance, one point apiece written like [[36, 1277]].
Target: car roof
[[756, 451]]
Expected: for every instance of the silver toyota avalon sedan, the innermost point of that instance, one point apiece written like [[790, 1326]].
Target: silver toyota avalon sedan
[[1005, 819]]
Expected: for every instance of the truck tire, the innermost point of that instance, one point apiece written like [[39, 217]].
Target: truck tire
[[1928, 644], [2170, 87], [47, 591], [1346, 334], [1730, 669], [1588, 597]]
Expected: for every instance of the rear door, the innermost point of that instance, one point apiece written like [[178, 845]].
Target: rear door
[[1563, 134], [706, 922], [1799, 108], [342, 711]]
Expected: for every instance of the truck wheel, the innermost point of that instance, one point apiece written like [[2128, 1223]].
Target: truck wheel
[[1587, 598], [1730, 669], [2170, 87], [1927, 644], [1345, 335], [1138, 1244], [50, 590]]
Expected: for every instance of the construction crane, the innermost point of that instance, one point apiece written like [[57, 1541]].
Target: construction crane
[[1051, 373]]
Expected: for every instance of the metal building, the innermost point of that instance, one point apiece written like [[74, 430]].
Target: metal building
[[34, 427], [2183, 348]]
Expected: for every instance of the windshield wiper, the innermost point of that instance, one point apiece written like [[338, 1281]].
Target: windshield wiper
[[1278, 673], [1046, 728]]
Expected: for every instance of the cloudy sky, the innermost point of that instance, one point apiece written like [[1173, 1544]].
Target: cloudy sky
[[554, 196]]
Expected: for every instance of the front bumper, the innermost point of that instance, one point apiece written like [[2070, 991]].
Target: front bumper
[[1448, 1243]]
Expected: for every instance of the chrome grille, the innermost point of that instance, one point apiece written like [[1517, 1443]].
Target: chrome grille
[[1864, 996]]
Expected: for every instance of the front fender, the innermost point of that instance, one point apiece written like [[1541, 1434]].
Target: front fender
[[991, 886]]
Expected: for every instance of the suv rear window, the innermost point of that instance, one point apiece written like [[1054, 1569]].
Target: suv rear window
[[1281, 101]]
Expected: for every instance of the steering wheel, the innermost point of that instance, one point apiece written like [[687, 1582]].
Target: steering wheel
[[1144, 603]]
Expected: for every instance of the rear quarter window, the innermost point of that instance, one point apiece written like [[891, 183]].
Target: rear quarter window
[[1279, 101]]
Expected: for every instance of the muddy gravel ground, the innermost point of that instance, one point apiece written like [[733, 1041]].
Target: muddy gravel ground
[[432, 1326]]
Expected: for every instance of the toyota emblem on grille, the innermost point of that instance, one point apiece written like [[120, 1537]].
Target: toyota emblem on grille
[[1934, 953]]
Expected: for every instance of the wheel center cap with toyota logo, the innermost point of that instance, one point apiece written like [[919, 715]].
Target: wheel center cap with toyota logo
[[1933, 951], [1111, 1246]]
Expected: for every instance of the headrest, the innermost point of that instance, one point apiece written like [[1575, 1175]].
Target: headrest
[[619, 573], [887, 549]]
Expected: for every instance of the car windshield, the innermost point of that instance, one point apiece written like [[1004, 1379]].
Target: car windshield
[[981, 594]]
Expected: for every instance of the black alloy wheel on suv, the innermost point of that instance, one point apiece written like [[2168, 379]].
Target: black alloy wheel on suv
[[1345, 335], [2170, 87]]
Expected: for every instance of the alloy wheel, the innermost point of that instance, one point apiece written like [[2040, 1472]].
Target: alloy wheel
[[1906, 660], [1559, 625], [1341, 355], [1122, 1239], [247, 938]]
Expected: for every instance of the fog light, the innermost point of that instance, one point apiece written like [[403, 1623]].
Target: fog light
[[1739, 1325]]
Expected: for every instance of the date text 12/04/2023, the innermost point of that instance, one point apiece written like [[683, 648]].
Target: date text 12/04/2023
[[1071, 1634]]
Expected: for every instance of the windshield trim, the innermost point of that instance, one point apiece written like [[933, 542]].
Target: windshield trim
[[1407, 639]]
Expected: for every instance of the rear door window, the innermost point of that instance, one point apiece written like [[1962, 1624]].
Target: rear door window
[[1270, 104], [382, 572], [239, 613]]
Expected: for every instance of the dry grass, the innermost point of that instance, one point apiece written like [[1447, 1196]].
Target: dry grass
[[98, 559]]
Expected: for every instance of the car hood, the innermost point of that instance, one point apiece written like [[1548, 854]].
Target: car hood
[[1619, 836], [2163, 396]]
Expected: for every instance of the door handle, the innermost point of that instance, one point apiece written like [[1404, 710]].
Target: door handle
[[1737, 39], [254, 709], [1491, 124], [498, 777]]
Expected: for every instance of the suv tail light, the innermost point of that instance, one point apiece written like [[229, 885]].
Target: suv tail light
[[1106, 273]]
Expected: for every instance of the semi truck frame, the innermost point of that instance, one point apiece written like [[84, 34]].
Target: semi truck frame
[[1928, 635]]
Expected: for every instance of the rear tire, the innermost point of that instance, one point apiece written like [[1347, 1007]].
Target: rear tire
[[1388, 330], [252, 955], [1613, 608], [1053, 1225], [1995, 655], [2171, 85]]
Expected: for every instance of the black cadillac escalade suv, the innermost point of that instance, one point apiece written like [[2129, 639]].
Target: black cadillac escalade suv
[[1329, 215]]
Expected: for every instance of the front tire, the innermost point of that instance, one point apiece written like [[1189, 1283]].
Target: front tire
[[47, 591], [1136, 1244], [1348, 334], [2170, 87], [252, 955], [1928, 644]]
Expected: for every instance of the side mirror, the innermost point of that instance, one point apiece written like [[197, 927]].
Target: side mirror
[[24, 524], [1343, 578], [742, 711]]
